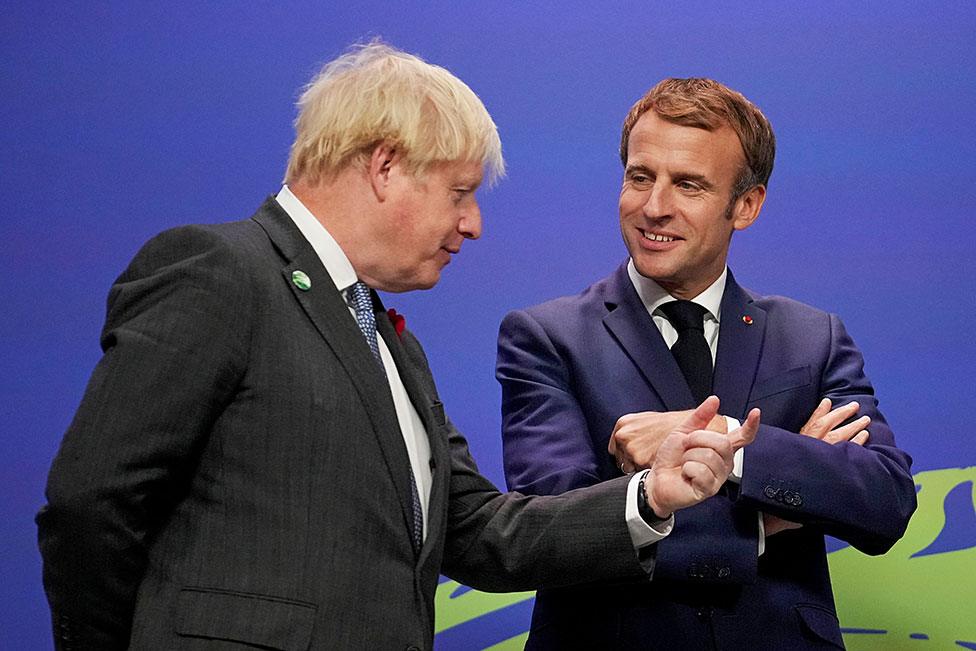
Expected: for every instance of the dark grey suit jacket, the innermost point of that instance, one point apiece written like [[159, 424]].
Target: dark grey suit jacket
[[235, 475]]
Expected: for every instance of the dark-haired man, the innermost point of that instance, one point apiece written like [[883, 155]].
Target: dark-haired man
[[591, 384]]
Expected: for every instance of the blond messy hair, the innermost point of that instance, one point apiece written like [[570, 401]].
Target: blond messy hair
[[375, 93], [708, 104]]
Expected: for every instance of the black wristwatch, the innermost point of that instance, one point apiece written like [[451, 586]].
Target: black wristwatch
[[645, 509]]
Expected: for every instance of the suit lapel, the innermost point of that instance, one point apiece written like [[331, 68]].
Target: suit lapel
[[326, 309], [431, 413], [634, 329], [409, 374], [740, 342]]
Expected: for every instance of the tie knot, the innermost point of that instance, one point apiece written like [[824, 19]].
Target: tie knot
[[685, 315]]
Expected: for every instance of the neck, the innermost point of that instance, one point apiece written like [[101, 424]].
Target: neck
[[341, 204]]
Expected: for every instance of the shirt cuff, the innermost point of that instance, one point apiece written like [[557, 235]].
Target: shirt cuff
[[643, 533], [762, 534], [736, 475]]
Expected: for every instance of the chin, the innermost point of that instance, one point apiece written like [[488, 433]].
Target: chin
[[648, 270], [426, 282]]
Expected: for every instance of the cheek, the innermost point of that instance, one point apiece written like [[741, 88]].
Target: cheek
[[628, 201]]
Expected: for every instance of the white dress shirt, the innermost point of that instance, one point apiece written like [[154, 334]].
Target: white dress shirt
[[653, 296], [344, 276], [412, 428]]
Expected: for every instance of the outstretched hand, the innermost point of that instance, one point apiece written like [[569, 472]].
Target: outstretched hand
[[692, 462]]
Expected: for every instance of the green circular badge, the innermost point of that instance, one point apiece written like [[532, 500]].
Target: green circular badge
[[301, 280]]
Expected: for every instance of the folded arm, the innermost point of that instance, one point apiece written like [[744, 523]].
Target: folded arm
[[858, 489], [550, 447]]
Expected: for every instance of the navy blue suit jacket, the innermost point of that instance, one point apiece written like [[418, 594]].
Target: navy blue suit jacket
[[569, 368]]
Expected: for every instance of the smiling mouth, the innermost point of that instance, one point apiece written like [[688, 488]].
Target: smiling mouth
[[657, 238]]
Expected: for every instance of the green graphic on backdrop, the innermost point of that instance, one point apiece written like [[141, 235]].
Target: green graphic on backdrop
[[915, 589], [920, 595]]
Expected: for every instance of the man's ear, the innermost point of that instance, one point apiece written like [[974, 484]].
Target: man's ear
[[747, 207], [382, 161]]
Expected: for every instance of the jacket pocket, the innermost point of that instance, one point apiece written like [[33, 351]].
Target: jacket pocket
[[255, 619], [791, 379], [820, 623]]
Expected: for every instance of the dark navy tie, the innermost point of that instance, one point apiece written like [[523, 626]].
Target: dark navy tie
[[691, 351], [362, 302]]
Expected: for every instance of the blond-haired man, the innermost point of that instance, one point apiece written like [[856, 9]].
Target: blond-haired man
[[261, 460]]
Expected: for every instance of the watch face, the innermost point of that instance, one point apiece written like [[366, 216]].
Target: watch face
[[643, 507]]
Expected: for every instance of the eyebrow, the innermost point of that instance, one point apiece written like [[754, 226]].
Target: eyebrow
[[700, 179], [470, 183]]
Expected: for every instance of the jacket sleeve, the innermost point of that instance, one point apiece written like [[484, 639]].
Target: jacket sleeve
[[862, 495], [174, 348], [547, 445], [508, 541], [549, 449]]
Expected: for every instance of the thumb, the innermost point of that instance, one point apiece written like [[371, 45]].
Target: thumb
[[746, 433], [701, 417]]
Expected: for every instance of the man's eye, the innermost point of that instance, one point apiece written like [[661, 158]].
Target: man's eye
[[688, 185]]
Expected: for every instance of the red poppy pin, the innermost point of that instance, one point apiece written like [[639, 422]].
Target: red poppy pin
[[399, 323]]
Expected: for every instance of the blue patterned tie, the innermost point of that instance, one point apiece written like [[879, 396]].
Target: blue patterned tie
[[362, 302]]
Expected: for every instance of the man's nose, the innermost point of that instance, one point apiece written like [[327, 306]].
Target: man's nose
[[659, 202], [470, 224]]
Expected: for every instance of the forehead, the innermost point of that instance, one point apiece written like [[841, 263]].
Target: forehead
[[457, 172], [655, 142]]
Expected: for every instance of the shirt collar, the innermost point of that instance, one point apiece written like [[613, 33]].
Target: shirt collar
[[654, 296], [324, 245]]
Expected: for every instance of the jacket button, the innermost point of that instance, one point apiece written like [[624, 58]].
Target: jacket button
[[412, 648], [724, 572], [770, 492]]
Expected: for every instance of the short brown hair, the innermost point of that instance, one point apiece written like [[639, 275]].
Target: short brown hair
[[707, 104]]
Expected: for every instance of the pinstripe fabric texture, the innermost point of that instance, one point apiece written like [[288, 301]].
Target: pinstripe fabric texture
[[362, 302], [236, 477]]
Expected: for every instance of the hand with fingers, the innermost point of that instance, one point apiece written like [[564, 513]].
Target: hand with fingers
[[828, 426], [636, 437], [692, 462]]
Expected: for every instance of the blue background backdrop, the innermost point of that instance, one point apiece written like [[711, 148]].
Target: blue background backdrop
[[122, 119]]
